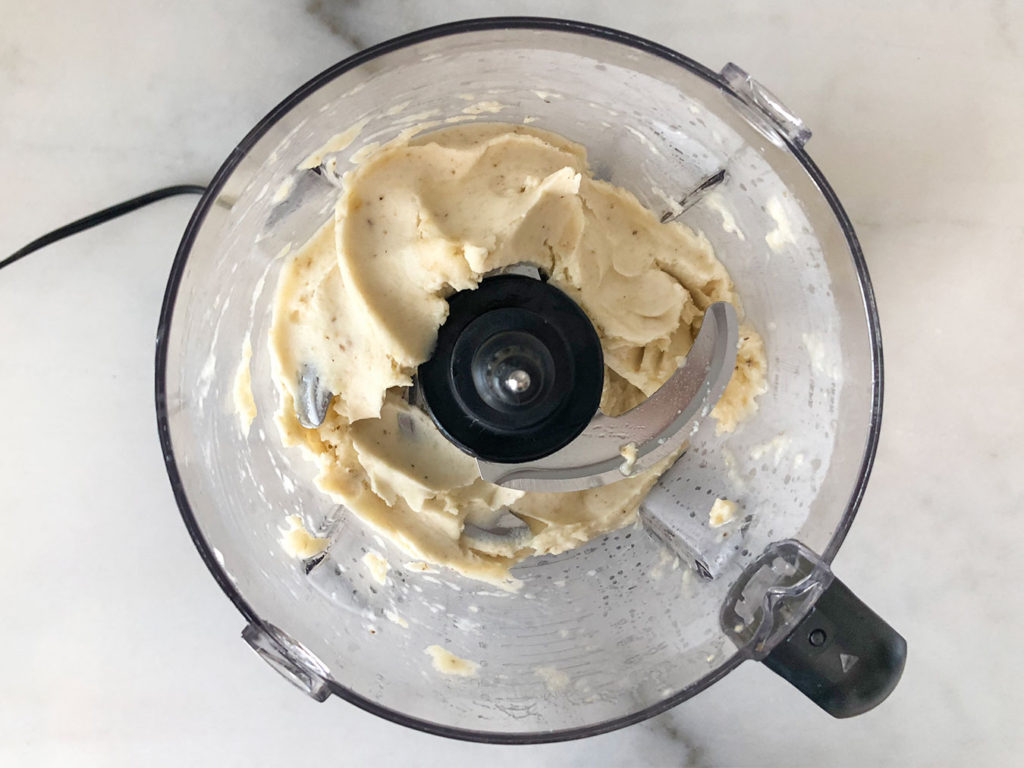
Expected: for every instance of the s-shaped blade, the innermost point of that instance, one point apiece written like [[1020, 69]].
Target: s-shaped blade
[[654, 429]]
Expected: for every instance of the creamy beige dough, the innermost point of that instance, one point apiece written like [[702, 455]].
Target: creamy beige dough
[[362, 302], [722, 511], [447, 663], [299, 542], [245, 404]]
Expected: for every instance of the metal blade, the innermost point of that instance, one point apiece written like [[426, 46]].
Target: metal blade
[[656, 427], [313, 400]]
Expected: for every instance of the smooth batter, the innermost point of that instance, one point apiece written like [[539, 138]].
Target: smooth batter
[[362, 301]]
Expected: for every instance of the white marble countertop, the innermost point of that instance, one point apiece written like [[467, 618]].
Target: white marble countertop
[[116, 647]]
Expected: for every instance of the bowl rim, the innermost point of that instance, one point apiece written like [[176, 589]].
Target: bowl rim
[[470, 26]]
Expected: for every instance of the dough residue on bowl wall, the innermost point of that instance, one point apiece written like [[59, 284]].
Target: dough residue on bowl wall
[[298, 542], [554, 679], [722, 511], [245, 404], [447, 663], [377, 566], [427, 215]]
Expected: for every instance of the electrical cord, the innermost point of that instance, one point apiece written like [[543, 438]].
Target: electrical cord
[[101, 217]]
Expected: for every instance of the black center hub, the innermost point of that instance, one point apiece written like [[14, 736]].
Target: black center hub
[[517, 372]]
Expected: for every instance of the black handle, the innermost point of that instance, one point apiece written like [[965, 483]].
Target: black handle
[[842, 655]]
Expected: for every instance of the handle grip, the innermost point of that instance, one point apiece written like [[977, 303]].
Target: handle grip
[[843, 656], [789, 611]]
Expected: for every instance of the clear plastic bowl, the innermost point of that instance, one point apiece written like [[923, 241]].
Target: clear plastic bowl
[[619, 629]]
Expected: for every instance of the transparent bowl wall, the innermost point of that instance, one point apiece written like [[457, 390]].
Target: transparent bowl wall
[[616, 630]]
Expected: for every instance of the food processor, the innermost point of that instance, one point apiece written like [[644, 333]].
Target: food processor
[[628, 624]]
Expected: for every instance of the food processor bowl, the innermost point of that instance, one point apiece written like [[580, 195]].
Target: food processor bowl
[[630, 623]]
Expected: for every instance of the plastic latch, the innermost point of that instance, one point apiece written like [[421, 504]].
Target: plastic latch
[[761, 105], [789, 611], [771, 597], [291, 660]]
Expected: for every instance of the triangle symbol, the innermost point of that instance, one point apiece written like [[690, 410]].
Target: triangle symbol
[[846, 661]]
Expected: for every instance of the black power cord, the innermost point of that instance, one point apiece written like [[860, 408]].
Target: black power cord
[[100, 217]]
